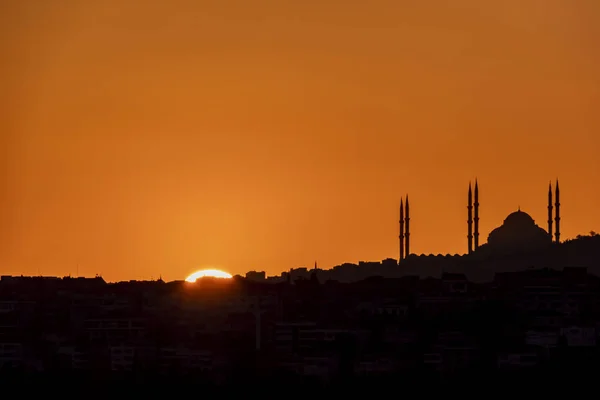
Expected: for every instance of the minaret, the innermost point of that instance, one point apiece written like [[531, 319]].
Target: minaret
[[407, 226], [401, 237], [476, 218], [470, 220], [550, 210], [557, 215]]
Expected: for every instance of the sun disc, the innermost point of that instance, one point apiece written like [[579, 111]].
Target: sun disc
[[211, 273]]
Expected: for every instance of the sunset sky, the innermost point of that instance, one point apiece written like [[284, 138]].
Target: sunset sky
[[140, 138]]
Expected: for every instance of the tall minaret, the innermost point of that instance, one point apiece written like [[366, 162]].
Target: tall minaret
[[550, 210], [557, 215], [407, 226], [401, 237], [470, 220], [476, 218]]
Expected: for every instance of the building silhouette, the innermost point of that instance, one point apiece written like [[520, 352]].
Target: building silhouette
[[518, 233]]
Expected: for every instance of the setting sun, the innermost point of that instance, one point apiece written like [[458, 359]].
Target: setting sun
[[212, 273]]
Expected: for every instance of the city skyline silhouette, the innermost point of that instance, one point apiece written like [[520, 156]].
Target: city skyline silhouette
[[298, 196]]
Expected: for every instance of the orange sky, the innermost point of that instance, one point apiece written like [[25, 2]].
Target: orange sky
[[152, 137]]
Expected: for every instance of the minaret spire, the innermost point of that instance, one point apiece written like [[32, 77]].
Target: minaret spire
[[401, 236], [550, 210], [557, 214], [407, 227], [476, 215], [470, 220]]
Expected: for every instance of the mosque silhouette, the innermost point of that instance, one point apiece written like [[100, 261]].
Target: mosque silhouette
[[518, 244], [518, 233]]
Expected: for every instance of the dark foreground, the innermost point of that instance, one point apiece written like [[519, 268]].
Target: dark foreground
[[101, 385]]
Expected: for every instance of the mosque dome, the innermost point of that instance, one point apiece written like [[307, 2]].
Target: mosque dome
[[519, 219], [518, 233]]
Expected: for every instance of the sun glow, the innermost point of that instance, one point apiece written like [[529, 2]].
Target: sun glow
[[212, 273]]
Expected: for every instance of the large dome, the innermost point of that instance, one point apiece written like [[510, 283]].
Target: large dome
[[518, 233], [519, 218]]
